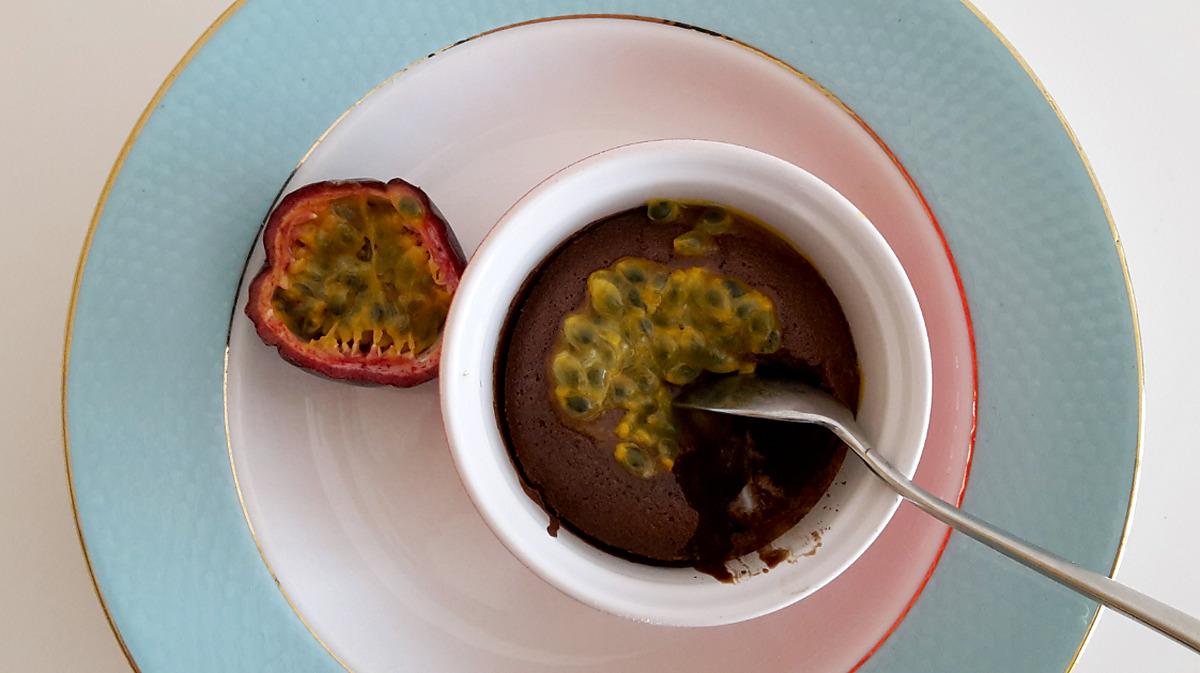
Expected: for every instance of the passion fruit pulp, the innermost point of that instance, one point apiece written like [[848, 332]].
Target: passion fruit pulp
[[357, 282], [645, 330]]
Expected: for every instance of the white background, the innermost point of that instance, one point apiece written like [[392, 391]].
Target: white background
[[75, 76]]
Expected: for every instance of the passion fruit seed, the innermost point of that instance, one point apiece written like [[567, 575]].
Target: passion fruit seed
[[662, 210], [567, 370], [700, 240], [579, 331], [596, 376], [411, 207], [760, 323], [606, 298], [618, 353], [682, 374], [694, 244], [578, 405], [633, 459], [772, 341], [344, 210], [622, 388], [360, 281], [631, 271], [715, 220], [717, 299]]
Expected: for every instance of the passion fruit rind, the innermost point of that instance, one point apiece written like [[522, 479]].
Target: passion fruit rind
[[328, 355]]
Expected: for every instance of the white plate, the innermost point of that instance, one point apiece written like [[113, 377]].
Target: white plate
[[351, 491]]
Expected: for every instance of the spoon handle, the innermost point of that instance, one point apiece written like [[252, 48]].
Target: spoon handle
[[1159, 616]]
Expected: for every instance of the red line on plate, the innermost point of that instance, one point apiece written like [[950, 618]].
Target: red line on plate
[[962, 293]]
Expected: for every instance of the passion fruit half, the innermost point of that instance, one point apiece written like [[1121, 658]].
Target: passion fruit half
[[358, 281]]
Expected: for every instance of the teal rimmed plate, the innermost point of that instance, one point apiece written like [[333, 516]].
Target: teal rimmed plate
[[968, 134]]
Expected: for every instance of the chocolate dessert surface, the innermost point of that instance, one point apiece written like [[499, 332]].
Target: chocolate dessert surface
[[612, 325]]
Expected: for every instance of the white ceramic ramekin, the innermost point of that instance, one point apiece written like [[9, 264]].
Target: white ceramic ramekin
[[885, 320]]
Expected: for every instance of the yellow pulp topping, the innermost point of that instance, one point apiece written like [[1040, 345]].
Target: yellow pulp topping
[[701, 239], [643, 328], [359, 282]]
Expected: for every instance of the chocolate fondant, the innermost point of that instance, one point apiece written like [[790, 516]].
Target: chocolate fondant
[[737, 484]]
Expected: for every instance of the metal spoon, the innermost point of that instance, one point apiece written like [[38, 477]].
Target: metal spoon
[[784, 400]]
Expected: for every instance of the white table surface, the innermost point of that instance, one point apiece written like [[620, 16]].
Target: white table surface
[[74, 76]]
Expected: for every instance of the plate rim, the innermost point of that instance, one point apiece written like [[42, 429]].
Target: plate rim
[[237, 5], [77, 281]]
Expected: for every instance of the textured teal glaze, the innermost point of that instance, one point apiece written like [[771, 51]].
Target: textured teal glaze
[[1058, 368]]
